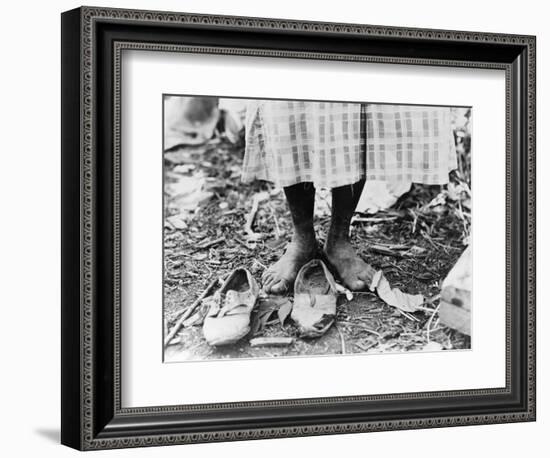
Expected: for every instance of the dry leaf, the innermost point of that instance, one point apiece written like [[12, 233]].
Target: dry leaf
[[188, 193], [264, 312], [394, 296], [184, 168], [177, 221], [284, 311], [185, 186]]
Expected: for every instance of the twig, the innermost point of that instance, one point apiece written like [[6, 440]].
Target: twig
[[428, 238], [366, 347], [277, 228], [432, 299], [342, 340], [188, 311], [447, 247], [415, 219], [385, 251], [430, 322], [462, 215], [429, 301], [261, 264], [394, 246], [362, 219], [271, 341], [425, 309], [242, 243], [323, 197], [260, 197], [408, 315], [357, 325], [251, 215], [202, 246]]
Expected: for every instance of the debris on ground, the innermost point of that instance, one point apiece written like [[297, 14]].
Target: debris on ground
[[270, 310], [271, 341]]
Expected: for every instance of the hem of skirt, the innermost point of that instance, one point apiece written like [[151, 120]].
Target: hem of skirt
[[419, 178], [412, 178], [249, 178]]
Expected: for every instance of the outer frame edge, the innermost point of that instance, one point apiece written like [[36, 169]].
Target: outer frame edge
[[90, 13], [71, 331]]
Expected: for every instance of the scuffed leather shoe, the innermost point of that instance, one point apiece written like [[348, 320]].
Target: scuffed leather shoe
[[315, 295], [228, 317]]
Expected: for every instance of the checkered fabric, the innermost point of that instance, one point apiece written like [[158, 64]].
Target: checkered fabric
[[335, 144]]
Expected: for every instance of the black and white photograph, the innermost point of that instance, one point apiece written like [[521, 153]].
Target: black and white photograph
[[281, 229], [301, 228]]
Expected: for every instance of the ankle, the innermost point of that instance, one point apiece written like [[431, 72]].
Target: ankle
[[305, 240], [335, 240], [337, 235]]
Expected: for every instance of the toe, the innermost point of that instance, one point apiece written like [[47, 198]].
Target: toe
[[279, 287], [268, 282], [356, 285], [365, 275], [266, 275]]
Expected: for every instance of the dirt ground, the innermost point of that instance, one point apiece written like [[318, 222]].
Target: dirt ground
[[415, 244]]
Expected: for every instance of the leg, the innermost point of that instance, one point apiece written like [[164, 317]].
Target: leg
[[280, 276], [354, 272]]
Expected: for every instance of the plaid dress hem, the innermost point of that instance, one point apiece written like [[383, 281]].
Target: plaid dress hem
[[336, 144]]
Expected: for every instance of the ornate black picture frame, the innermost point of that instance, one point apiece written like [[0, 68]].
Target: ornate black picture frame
[[92, 42]]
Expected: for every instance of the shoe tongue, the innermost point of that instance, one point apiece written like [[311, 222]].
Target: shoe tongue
[[213, 303], [231, 297], [235, 302]]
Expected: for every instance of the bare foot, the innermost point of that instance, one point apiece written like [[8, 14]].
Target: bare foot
[[355, 273], [280, 277]]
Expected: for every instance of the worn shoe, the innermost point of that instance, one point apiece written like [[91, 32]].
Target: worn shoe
[[315, 295], [228, 317]]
